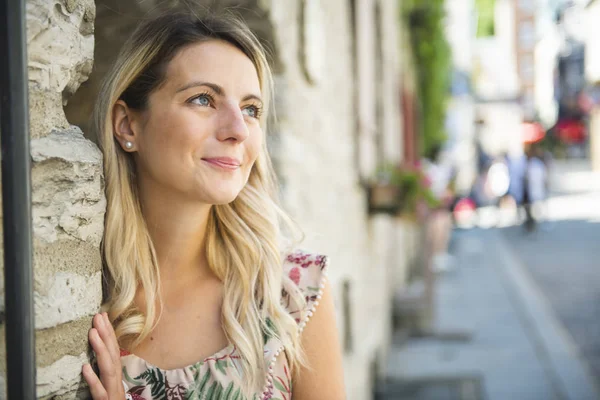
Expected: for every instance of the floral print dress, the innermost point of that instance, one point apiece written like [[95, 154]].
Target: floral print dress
[[212, 378]]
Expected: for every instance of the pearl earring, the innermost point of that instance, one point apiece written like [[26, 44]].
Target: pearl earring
[[128, 145]]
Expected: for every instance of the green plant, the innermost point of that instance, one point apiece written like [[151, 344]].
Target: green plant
[[414, 192], [485, 17], [433, 64]]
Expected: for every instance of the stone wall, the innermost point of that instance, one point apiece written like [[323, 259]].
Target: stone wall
[[326, 152], [338, 110], [67, 194]]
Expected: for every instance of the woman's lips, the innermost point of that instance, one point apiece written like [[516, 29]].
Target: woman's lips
[[224, 162]]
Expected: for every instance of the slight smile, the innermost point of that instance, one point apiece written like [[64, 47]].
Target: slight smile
[[224, 162]]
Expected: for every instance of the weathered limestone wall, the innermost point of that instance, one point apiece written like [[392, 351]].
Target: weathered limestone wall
[[321, 170], [67, 194]]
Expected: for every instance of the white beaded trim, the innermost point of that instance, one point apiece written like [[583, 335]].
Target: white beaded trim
[[268, 388]]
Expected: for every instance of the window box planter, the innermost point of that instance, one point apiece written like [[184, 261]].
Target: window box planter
[[383, 198]]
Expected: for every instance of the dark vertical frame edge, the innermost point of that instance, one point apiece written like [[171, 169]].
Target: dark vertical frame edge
[[16, 203]]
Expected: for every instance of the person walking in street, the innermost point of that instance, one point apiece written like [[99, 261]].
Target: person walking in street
[[534, 186], [204, 297]]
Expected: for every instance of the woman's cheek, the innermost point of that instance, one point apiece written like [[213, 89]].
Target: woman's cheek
[[257, 143]]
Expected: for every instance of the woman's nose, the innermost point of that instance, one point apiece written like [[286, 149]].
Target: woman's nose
[[232, 126]]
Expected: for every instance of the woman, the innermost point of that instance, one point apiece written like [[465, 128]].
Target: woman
[[203, 300]]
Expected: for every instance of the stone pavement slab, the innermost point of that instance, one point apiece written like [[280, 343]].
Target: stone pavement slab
[[516, 348]]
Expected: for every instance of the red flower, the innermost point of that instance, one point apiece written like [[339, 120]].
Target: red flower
[[426, 181], [295, 275]]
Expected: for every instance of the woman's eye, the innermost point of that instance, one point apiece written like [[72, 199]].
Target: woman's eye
[[251, 111], [202, 100]]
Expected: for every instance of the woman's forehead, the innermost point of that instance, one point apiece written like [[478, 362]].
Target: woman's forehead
[[216, 62]]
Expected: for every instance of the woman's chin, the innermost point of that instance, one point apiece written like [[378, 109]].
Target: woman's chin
[[224, 197]]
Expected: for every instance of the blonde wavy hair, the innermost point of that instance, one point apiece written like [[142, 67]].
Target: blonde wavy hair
[[245, 239]]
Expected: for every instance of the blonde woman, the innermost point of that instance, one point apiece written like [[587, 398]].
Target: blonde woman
[[203, 300]]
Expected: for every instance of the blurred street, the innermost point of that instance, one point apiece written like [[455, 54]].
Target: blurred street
[[516, 316], [562, 258]]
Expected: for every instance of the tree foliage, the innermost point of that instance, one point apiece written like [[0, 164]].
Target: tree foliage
[[485, 18], [433, 65]]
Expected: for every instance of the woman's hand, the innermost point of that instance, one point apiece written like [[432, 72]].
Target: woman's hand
[[104, 342]]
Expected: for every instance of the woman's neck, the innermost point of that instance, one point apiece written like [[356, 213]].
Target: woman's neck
[[178, 232]]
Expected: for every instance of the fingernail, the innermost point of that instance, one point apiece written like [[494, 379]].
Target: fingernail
[[100, 320]]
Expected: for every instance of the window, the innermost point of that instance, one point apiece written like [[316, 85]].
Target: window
[[347, 339]]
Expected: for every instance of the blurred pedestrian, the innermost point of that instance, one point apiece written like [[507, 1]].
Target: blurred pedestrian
[[535, 184], [441, 175]]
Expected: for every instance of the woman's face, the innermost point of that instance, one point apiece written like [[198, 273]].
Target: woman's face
[[200, 135]]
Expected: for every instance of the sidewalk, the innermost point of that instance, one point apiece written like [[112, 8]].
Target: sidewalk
[[573, 176], [496, 338]]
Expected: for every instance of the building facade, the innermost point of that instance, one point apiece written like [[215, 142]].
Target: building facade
[[592, 75], [460, 28], [525, 25], [497, 85]]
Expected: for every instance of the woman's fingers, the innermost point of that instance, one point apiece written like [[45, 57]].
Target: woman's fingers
[[96, 388], [107, 333], [106, 365], [108, 384], [113, 334]]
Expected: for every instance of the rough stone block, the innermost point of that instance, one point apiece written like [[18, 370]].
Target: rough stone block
[[61, 378], [60, 354], [60, 45], [66, 297], [67, 188], [70, 338]]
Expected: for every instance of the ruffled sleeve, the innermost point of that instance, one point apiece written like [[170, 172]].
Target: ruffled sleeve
[[309, 272]]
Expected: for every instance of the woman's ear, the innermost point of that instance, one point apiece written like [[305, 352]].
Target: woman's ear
[[123, 126]]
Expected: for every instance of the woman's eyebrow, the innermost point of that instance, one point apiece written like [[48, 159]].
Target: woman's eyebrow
[[252, 97], [217, 89]]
